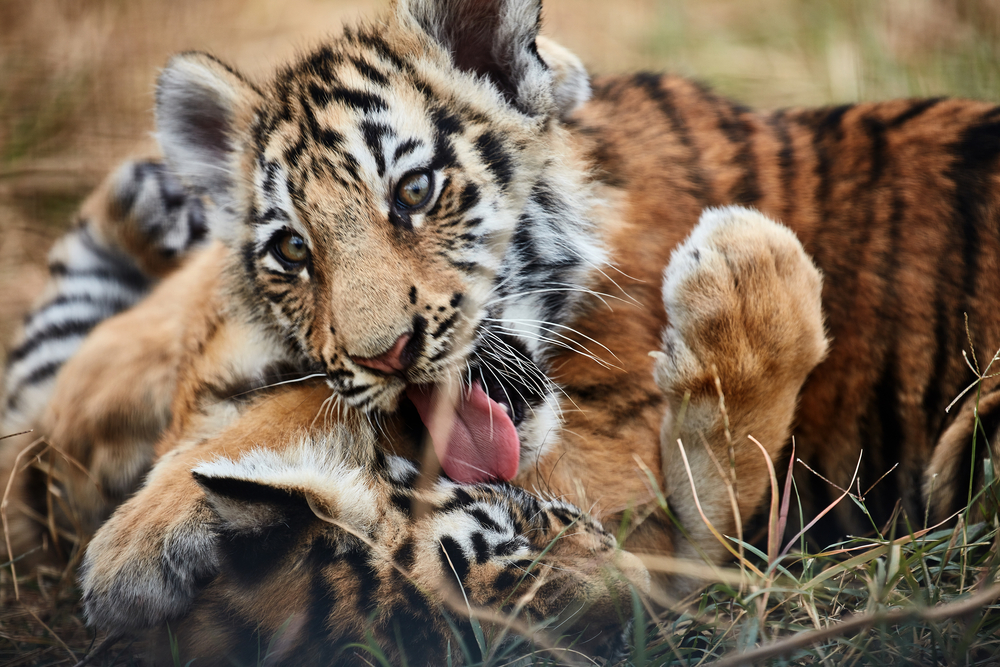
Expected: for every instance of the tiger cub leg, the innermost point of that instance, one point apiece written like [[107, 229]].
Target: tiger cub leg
[[138, 226], [744, 312]]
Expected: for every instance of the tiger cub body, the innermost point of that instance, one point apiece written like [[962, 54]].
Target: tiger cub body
[[430, 213]]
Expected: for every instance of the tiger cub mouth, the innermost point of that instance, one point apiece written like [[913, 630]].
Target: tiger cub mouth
[[474, 428]]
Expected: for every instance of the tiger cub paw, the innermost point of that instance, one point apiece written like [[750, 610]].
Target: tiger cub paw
[[145, 210], [148, 561], [743, 305]]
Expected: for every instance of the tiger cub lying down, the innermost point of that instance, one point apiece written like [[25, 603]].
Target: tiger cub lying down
[[471, 245], [292, 528]]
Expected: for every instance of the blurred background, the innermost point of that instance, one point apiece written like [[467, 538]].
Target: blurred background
[[76, 76]]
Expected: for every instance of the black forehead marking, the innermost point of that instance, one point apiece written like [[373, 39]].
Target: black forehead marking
[[329, 138], [446, 122], [369, 72], [356, 99], [320, 95], [272, 213], [270, 169], [294, 152], [322, 61], [406, 147], [496, 158], [374, 134], [377, 44]]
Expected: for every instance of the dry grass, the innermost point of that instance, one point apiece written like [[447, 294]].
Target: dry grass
[[75, 97]]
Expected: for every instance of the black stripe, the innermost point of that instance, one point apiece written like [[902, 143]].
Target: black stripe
[[786, 163], [885, 439], [370, 72], [480, 546], [738, 132], [915, 111], [374, 134], [358, 99], [41, 373], [459, 501], [329, 138], [485, 520], [405, 148], [497, 160], [120, 275], [321, 62], [445, 325], [366, 577], [976, 156], [827, 133], [351, 166], [446, 122], [652, 84], [468, 199], [405, 554], [453, 560], [106, 304], [509, 547], [506, 579], [347, 392], [382, 48], [269, 215], [65, 329]]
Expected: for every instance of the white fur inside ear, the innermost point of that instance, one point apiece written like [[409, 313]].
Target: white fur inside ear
[[196, 104], [313, 468], [492, 39]]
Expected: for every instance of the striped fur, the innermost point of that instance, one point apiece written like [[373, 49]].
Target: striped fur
[[133, 230], [560, 244], [317, 555], [137, 227]]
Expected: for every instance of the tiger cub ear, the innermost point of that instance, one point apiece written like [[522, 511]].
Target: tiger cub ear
[[302, 481], [494, 39], [570, 81], [202, 109]]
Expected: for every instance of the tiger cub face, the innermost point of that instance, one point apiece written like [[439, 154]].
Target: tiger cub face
[[404, 210]]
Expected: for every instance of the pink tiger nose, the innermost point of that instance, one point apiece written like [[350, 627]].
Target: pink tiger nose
[[395, 360]]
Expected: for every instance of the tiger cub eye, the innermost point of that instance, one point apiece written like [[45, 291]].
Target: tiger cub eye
[[413, 190], [291, 248]]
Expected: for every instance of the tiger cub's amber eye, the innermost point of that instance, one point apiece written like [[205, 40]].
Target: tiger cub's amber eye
[[413, 190], [292, 248]]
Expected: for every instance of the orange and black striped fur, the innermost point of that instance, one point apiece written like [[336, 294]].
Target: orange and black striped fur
[[440, 206]]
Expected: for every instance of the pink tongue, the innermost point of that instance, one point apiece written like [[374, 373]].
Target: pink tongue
[[481, 442]]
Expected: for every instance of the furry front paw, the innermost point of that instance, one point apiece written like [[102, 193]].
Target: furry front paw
[[743, 305], [147, 564]]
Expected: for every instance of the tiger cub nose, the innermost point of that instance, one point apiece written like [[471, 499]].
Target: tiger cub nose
[[397, 359]]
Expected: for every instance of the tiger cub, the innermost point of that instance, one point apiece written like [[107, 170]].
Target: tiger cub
[[318, 530], [476, 245]]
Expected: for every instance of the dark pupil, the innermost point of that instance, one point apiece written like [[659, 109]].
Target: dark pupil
[[414, 190]]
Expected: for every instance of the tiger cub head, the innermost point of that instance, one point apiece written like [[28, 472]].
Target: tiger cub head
[[404, 209]]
